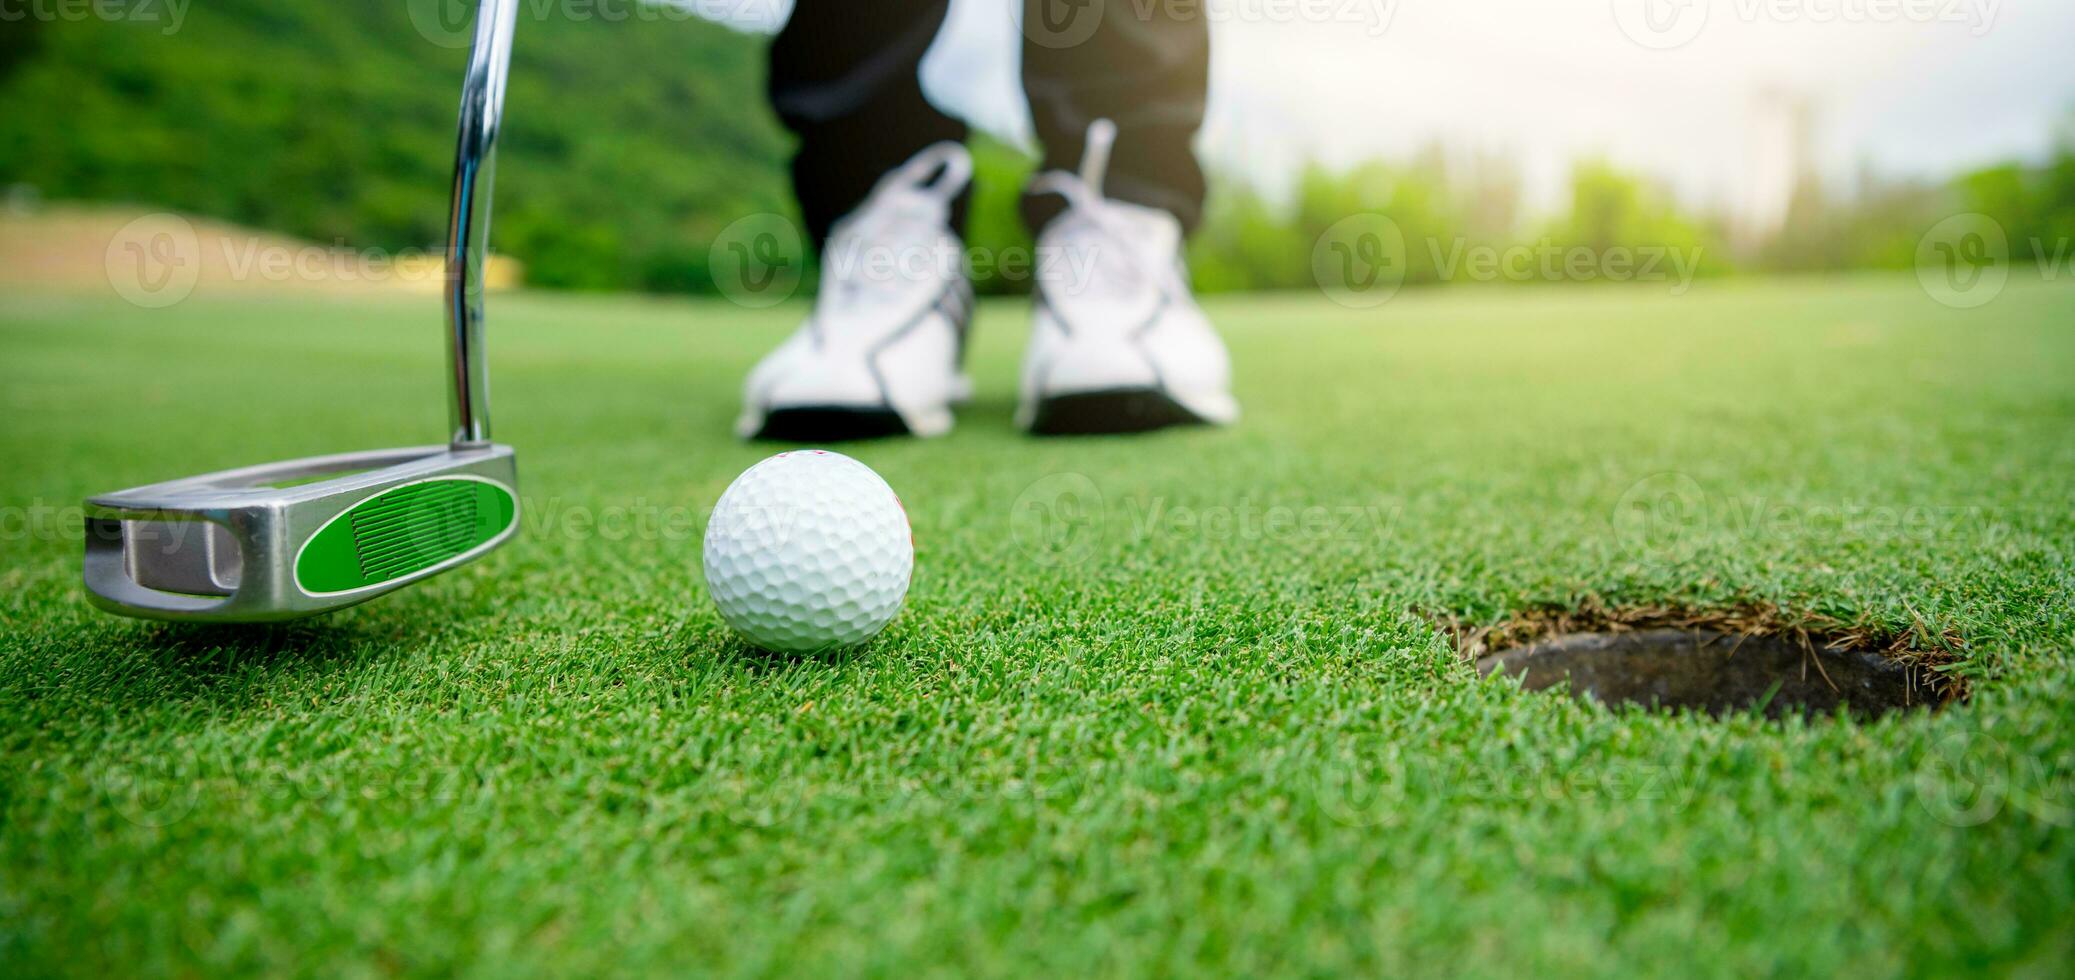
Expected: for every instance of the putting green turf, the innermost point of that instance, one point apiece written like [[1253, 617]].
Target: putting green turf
[[1155, 704]]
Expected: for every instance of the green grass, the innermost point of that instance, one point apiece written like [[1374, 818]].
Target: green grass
[[1201, 722]]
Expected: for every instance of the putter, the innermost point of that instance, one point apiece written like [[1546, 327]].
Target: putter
[[284, 540]]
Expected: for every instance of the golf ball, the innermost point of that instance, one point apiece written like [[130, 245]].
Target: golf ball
[[807, 551]]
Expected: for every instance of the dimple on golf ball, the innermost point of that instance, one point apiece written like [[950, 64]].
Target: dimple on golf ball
[[808, 551]]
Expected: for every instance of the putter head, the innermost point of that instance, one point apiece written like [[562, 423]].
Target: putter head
[[285, 540]]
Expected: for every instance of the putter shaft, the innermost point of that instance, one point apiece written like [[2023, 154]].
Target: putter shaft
[[468, 219]]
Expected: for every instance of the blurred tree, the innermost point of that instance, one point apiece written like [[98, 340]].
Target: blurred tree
[[18, 37], [626, 138], [1246, 244]]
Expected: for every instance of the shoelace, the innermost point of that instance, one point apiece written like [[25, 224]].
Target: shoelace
[[905, 210], [1094, 222]]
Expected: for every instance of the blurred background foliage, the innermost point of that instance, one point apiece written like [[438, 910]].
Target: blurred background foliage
[[629, 144], [633, 141]]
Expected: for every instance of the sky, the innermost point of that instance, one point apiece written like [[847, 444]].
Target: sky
[[1671, 88]]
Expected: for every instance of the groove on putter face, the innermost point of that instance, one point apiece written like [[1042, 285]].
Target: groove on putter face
[[284, 540]]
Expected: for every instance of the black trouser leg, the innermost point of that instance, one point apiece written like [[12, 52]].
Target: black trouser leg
[[1144, 64], [844, 78]]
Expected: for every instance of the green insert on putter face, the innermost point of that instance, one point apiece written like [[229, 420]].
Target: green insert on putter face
[[307, 536], [401, 532]]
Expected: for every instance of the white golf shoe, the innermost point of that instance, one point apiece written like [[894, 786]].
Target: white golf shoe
[[1118, 343], [880, 355]]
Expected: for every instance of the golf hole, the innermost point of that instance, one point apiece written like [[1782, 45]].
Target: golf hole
[[1673, 669]]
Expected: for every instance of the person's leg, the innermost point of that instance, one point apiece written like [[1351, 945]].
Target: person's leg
[[1144, 65], [1117, 342], [881, 176], [844, 78]]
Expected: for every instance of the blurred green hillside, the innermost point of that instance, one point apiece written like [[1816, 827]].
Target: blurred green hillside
[[629, 143]]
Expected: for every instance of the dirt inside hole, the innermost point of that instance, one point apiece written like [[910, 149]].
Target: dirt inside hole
[[1746, 659]]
